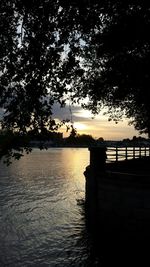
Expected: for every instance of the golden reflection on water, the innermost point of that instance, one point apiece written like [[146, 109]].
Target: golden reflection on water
[[39, 196], [55, 173], [46, 162]]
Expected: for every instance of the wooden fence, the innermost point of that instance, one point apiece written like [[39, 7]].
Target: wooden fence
[[126, 153]]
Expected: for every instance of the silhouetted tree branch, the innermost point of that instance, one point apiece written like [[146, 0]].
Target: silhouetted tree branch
[[52, 50]]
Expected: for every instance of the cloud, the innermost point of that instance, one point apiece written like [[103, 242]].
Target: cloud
[[99, 126], [75, 112], [64, 112]]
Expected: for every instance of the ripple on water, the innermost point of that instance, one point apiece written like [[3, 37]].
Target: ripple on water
[[41, 221]]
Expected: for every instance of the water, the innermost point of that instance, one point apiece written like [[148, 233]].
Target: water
[[41, 219]]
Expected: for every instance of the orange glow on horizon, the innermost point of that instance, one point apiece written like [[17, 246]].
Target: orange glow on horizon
[[99, 126], [107, 130]]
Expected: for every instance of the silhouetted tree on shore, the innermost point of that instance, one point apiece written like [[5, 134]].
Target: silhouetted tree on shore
[[80, 140]]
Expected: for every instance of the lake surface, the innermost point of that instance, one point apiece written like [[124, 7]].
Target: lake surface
[[41, 216]]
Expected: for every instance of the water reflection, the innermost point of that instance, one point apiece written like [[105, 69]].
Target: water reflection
[[42, 216], [42, 220]]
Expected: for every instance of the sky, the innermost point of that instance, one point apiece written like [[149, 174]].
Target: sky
[[97, 127]]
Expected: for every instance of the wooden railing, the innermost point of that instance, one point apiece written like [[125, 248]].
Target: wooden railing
[[126, 153]]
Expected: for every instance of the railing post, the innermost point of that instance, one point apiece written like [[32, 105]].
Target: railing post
[[93, 173], [134, 152], [98, 158], [139, 152], [126, 153], [116, 153], [145, 151]]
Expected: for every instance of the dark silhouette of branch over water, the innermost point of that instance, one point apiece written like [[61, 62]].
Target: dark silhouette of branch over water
[[49, 54]]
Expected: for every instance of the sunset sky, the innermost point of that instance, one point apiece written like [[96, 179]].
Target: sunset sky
[[97, 127]]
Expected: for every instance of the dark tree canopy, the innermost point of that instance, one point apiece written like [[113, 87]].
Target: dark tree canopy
[[51, 50], [119, 75], [34, 69]]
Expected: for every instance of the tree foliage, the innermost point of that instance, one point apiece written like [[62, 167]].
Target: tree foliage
[[79, 139], [119, 75], [34, 68], [51, 50]]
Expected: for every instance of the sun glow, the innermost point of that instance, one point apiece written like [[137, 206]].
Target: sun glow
[[80, 126], [97, 126], [84, 114]]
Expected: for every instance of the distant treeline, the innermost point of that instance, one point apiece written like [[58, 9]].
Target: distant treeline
[[47, 138]]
